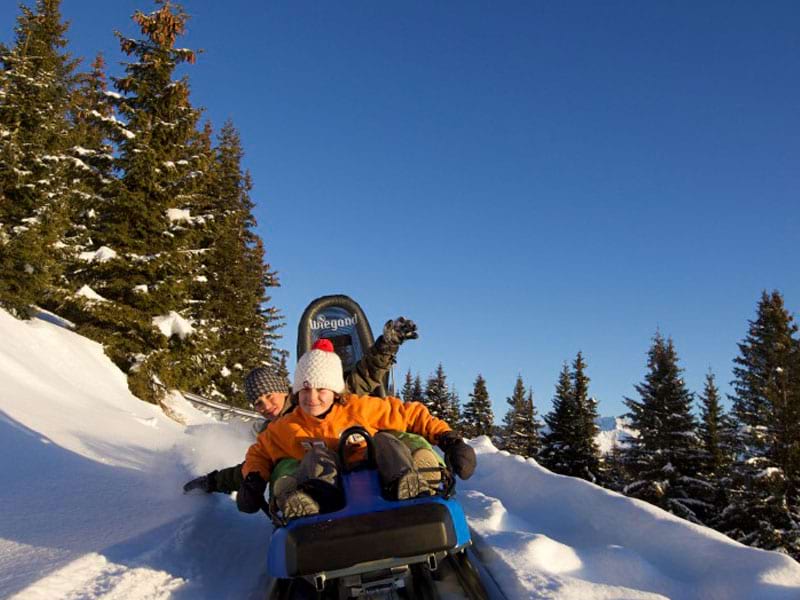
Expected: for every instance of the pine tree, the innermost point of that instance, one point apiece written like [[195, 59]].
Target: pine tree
[[560, 420], [716, 432], [613, 470], [478, 417], [408, 388], [453, 416], [586, 458], [664, 459], [717, 439], [764, 509], [570, 448], [417, 392], [521, 429], [231, 292], [151, 226], [36, 82], [437, 394], [534, 435], [91, 150]]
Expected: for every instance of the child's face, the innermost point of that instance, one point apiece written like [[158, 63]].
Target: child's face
[[270, 405], [315, 401]]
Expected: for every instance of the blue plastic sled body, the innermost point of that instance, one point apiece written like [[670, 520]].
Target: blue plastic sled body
[[369, 533]]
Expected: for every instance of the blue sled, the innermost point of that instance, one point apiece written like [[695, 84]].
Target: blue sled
[[369, 534]]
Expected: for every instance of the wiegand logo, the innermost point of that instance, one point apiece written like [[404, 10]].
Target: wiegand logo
[[322, 322]]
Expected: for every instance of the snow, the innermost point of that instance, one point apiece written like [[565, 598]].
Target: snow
[[769, 472], [90, 294], [79, 163], [613, 432], [173, 324], [102, 254], [179, 215], [183, 215], [92, 504]]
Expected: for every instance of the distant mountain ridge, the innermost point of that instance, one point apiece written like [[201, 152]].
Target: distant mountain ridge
[[614, 432]]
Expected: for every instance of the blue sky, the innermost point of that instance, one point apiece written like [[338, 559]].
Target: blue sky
[[523, 179]]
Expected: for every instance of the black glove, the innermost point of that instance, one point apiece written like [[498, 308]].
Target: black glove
[[250, 498], [207, 483], [458, 455], [399, 330]]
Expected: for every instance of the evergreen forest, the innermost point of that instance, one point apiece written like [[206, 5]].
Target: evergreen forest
[[124, 212]]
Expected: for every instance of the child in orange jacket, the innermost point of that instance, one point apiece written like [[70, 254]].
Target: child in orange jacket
[[311, 436]]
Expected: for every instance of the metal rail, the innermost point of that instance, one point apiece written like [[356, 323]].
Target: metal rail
[[241, 412]]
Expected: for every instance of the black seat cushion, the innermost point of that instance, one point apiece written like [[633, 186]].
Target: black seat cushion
[[403, 532]]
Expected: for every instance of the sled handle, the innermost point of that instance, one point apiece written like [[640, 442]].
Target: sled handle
[[370, 461]]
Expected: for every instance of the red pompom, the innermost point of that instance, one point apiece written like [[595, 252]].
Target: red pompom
[[323, 344]]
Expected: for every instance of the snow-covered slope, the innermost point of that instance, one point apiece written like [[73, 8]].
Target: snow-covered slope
[[92, 505]]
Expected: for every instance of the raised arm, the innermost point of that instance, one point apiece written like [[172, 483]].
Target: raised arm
[[370, 372]]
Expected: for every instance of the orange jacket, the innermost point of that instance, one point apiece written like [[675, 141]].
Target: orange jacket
[[285, 437]]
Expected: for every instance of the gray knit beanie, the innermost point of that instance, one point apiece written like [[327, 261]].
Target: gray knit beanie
[[262, 380]]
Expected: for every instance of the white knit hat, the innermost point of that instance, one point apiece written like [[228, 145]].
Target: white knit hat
[[320, 367]]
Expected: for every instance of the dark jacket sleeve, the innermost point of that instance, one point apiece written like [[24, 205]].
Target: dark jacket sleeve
[[370, 372], [228, 480]]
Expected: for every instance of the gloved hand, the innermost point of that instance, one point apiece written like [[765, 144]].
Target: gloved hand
[[458, 455], [399, 330], [250, 498], [207, 483]]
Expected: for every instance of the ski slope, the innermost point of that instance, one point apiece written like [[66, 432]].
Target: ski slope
[[92, 504]]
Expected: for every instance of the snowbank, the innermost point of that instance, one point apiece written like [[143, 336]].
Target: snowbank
[[554, 535], [92, 505]]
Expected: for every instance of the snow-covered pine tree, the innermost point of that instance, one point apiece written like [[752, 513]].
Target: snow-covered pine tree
[[147, 237], [560, 421], [437, 394], [520, 427], [764, 509], [36, 81], [91, 149], [478, 417], [234, 287], [664, 459]]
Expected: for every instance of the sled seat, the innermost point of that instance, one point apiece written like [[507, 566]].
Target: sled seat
[[406, 531]]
